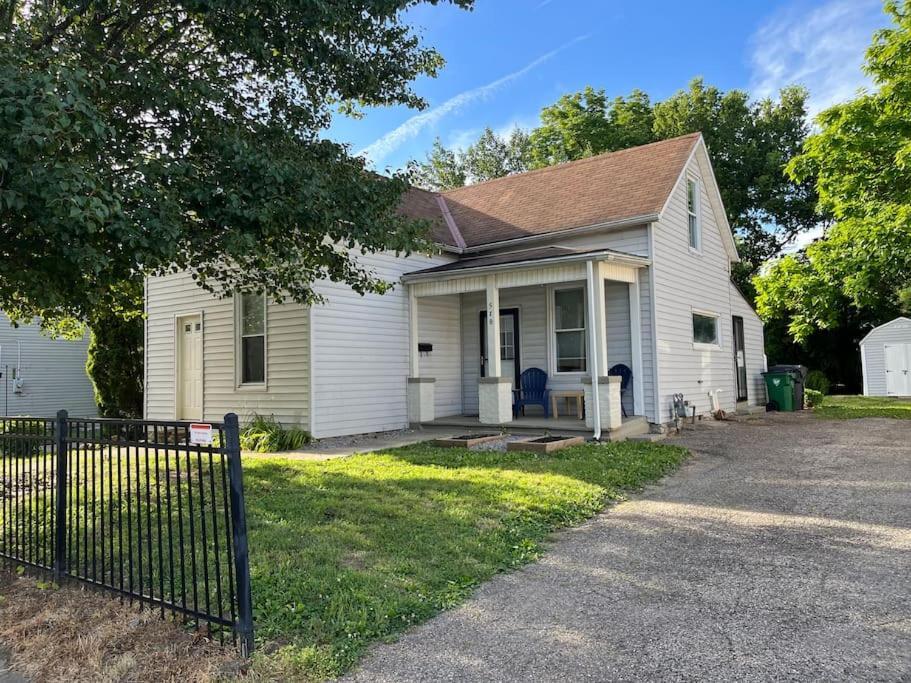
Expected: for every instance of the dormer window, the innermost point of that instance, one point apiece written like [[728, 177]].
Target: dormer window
[[692, 210]]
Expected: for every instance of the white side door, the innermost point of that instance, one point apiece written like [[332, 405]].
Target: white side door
[[898, 369], [189, 368]]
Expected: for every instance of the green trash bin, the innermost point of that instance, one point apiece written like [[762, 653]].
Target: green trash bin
[[780, 386]]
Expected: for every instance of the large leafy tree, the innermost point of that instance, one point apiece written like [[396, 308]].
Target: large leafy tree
[[860, 272], [142, 137], [586, 123], [490, 156]]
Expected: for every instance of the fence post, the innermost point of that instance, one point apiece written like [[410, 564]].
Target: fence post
[[244, 626], [62, 434]]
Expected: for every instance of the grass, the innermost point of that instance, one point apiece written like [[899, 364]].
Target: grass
[[352, 551], [850, 407], [344, 553]]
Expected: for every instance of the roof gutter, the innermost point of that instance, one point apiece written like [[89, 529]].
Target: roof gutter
[[635, 261]]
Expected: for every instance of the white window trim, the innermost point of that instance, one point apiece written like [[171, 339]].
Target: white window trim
[[552, 329], [239, 384], [697, 213], [703, 346]]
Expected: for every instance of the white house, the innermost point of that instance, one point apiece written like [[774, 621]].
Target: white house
[[40, 375], [885, 355], [620, 259]]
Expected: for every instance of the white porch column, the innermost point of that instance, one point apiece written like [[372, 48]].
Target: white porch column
[[600, 317], [494, 391], [414, 358], [493, 327], [420, 394], [596, 333], [635, 329]]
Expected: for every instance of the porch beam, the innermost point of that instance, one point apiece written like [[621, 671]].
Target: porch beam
[[493, 327], [414, 358], [635, 328]]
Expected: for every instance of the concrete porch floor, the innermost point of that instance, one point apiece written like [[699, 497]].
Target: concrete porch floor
[[634, 424]]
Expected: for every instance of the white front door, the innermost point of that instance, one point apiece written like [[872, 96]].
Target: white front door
[[898, 369], [189, 368]]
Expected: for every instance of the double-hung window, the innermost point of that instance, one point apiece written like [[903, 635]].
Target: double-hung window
[[692, 212], [569, 329], [252, 339]]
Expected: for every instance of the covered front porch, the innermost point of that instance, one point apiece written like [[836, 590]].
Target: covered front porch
[[477, 325]]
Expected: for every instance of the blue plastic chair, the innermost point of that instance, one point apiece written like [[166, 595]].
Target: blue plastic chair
[[532, 391], [625, 374]]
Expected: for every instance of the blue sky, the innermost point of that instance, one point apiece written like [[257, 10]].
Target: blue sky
[[508, 58]]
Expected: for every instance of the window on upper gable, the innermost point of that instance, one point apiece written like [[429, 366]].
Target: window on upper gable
[[692, 211]]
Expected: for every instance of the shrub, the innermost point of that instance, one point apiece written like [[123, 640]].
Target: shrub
[[813, 398], [25, 438], [817, 381], [267, 435]]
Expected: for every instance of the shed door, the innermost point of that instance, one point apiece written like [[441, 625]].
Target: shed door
[[898, 369], [189, 368]]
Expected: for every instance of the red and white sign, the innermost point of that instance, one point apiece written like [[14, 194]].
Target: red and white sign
[[201, 434]]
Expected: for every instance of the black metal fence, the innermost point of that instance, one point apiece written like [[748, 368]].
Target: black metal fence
[[133, 507]]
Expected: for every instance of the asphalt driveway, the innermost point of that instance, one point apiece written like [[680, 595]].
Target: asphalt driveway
[[782, 550]]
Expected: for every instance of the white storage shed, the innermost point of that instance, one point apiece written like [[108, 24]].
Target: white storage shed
[[885, 355]]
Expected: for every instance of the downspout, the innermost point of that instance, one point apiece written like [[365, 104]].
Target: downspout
[[593, 349]]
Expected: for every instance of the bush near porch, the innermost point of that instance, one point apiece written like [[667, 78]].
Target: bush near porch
[[350, 552], [850, 407]]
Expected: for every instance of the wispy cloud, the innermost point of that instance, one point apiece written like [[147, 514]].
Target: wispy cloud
[[821, 48], [388, 143]]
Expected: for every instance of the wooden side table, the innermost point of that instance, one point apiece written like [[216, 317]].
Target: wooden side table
[[567, 395]]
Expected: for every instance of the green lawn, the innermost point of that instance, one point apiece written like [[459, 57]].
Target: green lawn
[[351, 551], [848, 407]]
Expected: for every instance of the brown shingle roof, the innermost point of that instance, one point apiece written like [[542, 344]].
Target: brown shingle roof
[[606, 188], [424, 205]]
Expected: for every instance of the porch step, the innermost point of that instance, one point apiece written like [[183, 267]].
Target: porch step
[[633, 426]]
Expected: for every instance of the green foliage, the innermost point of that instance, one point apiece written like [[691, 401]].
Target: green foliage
[[750, 142], [491, 156], [353, 551], [115, 359], [853, 407], [813, 398], [141, 138], [861, 269], [817, 381], [24, 438], [267, 435]]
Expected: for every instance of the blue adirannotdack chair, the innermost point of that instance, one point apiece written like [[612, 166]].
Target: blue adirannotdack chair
[[625, 374], [532, 391]]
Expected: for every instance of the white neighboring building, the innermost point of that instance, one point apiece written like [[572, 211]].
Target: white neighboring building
[[619, 259], [41, 375], [885, 355]]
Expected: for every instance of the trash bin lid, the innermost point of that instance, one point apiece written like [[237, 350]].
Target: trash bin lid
[[794, 369]]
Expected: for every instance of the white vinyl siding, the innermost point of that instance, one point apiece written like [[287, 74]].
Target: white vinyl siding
[[688, 281], [287, 391], [360, 343], [439, 324], [52, 372], [872, 349]]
